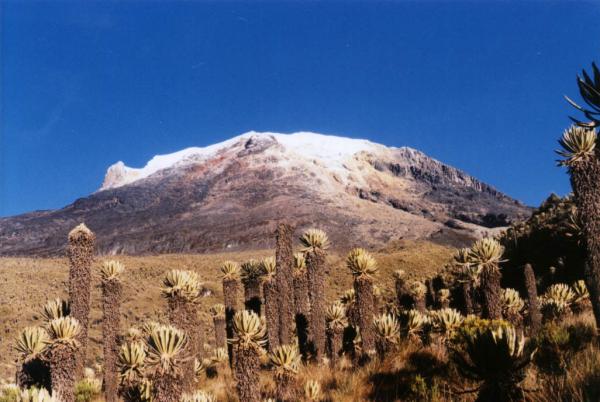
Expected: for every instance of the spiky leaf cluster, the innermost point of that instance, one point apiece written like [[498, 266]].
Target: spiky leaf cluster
[[387, 327], [511, 301], [31, 342], [413, 322], [417, 289], [447, 321], [219, 356], [361, 264], [64, 330], [285, 359], [398, 274], [560, 292], [164, 347], [54, 309], [217, 311], [252, 271], [134, 335], [444, 295], [299, 262], [589, 89], [578, 145], [230, 270], [249, 329], [269, 266], [111, 270], [581, 292], [314, 239], [132, 357], [36, 395], [182, 284], [336, 316], [312, 390], [486, 252], [348, 297]]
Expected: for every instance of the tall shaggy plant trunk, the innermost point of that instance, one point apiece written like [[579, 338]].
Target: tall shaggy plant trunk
[[220, 332], [285, 388], [231, 299], [271, 312], [420, 304], [535, 316], [63, 363], [112, 291], [80, 252], [184, 315], [334, 344], [302, 304], [247, 374], [490, 288], [363, 288], [585, 180], [284, 278], [467, 295], [315, 265], [166, 387]]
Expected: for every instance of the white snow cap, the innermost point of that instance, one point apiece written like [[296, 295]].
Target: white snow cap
[[330, 150]]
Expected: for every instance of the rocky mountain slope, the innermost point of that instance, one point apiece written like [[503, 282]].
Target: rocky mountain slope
[[231, 195]]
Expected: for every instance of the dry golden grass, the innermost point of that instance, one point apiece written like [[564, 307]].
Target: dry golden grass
[[27, 283]]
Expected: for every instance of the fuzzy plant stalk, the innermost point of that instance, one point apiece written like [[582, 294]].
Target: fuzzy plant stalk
[[252, 276], [165, 358], [535, 316], [284, 279], [182, 290], [582, 158], [418, 292], [248, 341], [62, 354], [217, 313], [315, 243], [301, 302], [431, 296], [112, 294], [80, 251], [33, 371], [400, 288], [487, 254], [230, 271], [363, 267], [271, 302], [285, 360], [336, 323]]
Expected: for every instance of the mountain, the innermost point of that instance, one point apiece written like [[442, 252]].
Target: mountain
[[231, 195]]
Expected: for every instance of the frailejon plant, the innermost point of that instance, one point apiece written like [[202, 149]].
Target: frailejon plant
[[252, 276], [582, 296], [387, 330], [336, 323], [271, 301], [556, 302], [182, 290], [284, 277], [31, 345], [487, 254], [34, 394], [314, 245], [412, 324], [217, 313], [230, 271], [512, 306], [132, 373], [285, 360], [533, 304], [497, 358], [165, 357], [62, 353], [301, 302], [198, 396], [446, 321], [112, 293], [249, 339], [363, 267], [400, 287], [418, 291], [312, 391], [582, 159], [56, 308], [443, 298], [467, 275], [80, 252]]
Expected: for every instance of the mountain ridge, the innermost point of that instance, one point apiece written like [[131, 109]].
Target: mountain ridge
[[231, 195]]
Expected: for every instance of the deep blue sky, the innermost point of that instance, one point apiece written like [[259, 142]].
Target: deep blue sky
[[478, 86]]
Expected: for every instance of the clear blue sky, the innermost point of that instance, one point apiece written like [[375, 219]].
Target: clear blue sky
[[478, 86]]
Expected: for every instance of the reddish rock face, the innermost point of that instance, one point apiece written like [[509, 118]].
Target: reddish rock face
[[231, 197]]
